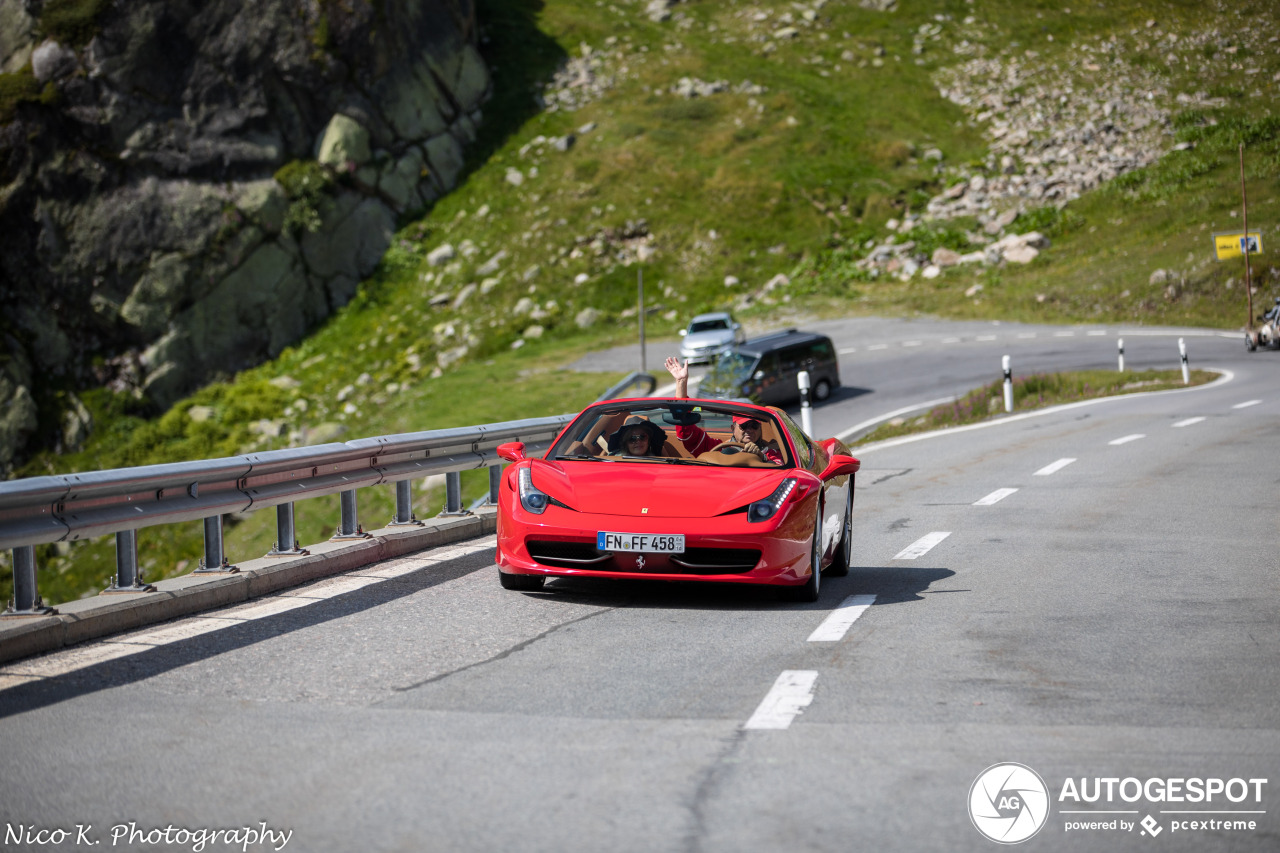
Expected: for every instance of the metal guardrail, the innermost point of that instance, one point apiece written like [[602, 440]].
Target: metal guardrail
[[71, 507], [67, 508]]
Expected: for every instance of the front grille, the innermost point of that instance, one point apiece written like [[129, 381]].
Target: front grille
[[570, 554], [717, 560], [694, 561]]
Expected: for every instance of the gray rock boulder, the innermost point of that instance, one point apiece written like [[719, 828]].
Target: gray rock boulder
[[143, 215]]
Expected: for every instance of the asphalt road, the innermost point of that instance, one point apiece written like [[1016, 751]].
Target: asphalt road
[[1111, 617]]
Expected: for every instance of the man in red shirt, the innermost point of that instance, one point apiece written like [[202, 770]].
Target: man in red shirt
[[746, 430]]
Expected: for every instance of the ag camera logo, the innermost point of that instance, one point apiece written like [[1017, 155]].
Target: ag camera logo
[[1008, 803]]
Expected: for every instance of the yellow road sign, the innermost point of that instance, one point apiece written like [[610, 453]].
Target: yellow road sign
[[1230, 244]]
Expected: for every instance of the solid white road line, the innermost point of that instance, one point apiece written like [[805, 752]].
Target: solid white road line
[[1246, 404], [1054, 467], [995, 497], [1126, 439], [929, 404], [790, 695], [833, 628], [921, 546], [1188, 422]]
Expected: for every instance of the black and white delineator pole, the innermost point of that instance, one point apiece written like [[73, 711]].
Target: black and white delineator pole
[[1186, 373], [806, 414], [1008, 384], [1121, 347]]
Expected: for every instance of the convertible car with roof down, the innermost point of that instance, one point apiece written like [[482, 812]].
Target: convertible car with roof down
[[678, 489]]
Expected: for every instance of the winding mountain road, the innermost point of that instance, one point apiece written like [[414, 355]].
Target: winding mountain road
[[1089, 592]]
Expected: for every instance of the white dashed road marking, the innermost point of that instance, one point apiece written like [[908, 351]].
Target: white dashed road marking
[[1246, 404], [1126, 439], [995, 497], [1054, 467], [790, 695], [833, 628], [921, 546], [1188, 422]]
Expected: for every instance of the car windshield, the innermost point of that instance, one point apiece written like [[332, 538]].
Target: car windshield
[[731, 368], [707, 325], [674, 433]]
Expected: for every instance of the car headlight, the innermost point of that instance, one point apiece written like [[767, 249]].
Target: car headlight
[[532, 499], [766, 509]]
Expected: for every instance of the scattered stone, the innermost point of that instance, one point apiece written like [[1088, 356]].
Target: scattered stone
[[441, 255]]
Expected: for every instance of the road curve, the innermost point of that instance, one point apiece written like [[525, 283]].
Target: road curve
[[1089, 592]]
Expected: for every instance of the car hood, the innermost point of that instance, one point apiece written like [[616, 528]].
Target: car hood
[[655, 489]]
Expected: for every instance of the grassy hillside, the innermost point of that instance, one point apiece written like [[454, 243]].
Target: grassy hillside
[[732, 143]]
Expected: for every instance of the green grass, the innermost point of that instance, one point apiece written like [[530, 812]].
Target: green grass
[[1035, 392], [794, 179]]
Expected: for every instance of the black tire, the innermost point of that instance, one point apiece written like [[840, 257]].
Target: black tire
[[844, 551], [809, 590], [1249, 343], [522, 583], [822, 390]]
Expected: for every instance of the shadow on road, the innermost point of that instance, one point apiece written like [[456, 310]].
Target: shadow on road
[[157, 660]]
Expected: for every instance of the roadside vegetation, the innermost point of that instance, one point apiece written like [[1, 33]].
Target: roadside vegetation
[[811, 129], [1038, 391]]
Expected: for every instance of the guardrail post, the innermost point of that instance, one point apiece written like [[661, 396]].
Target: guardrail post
[[25, 601], [495, 482], [453, 495], [349, 524], [404, 506], [214, 560], [286, 544], [127, 577]]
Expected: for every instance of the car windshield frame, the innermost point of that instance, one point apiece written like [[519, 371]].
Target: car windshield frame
[[586, 439]]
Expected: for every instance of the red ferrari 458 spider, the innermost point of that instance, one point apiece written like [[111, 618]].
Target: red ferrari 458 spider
[[678, 489]]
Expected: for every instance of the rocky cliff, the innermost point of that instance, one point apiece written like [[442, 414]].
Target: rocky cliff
[[187, 187]]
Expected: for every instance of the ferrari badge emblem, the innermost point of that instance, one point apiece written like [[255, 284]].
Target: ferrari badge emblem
[[640, 561], [644, 510]]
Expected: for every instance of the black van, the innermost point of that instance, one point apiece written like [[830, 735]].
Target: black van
[[764, 369]]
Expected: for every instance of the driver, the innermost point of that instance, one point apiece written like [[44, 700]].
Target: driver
[[746, 430]]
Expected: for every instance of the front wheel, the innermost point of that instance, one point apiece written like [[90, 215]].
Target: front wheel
[[522, 583], [1249, 343], [822, 390], [844, 552]]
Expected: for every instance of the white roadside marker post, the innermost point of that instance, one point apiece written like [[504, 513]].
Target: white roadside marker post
[[1182, 350], [806, 416], [1121, 346], [1008, 384]]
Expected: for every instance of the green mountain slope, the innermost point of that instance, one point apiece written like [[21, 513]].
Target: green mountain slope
[[769, 157]]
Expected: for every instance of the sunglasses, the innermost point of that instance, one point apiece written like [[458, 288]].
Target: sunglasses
[[637, 436], [750, 425]]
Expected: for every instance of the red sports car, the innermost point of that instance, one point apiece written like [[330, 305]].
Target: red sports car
[[678, 489]]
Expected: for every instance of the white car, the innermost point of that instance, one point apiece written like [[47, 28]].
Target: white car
[[709, 335]]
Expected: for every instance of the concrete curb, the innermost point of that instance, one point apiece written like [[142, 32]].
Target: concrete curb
[[90, 618]]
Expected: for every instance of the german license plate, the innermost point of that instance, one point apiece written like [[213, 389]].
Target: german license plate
[[643, 543]]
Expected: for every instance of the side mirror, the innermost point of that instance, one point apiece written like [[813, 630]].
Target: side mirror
[[840, 465], [512, 451]]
